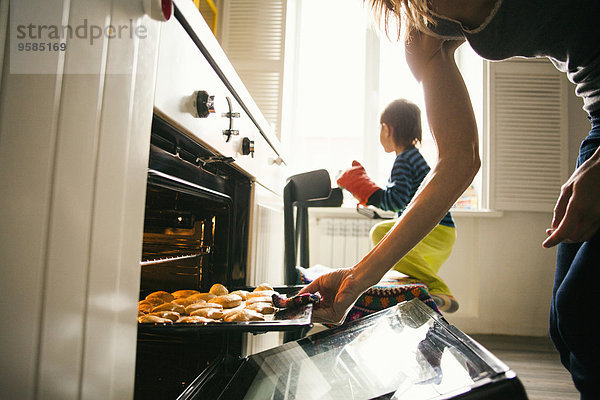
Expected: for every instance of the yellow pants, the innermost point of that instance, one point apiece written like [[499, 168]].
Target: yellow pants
[[423, 262]]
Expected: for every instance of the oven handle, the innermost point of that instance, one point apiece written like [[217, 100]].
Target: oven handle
[[165, 180]]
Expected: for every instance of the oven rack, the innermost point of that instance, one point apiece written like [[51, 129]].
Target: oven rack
[[164, 260]]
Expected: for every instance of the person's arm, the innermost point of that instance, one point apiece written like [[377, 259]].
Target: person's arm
[[452, 123]]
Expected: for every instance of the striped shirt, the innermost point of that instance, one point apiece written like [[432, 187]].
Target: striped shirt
[[409, 170]]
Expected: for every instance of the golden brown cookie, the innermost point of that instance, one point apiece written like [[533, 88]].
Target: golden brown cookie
[[242, 293], [193, 320], [197, 306], [145, 306], [202, 296], [153, 319], [264, 299], [263, 286], [169, 307], [263, 308], [161, 294], [184, 293], [186, 301], [213, 313], [227, 301], [218, 290], [154, 301], [227, 311], [261, 293], [172, 315], [244, 315]]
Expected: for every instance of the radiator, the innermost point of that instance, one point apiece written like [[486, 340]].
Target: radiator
[[339, 242]]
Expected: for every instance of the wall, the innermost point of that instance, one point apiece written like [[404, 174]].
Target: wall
[[500, 274], [498, 270]]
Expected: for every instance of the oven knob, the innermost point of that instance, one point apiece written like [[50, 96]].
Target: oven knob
[[204, 104], [247, 147]]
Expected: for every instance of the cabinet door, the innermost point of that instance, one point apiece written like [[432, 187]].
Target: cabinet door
[[265, 258]]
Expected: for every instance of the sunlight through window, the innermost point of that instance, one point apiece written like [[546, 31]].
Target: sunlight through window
[[344, 75]]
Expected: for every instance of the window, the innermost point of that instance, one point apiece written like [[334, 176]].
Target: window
[[344, 75], [339, 74]]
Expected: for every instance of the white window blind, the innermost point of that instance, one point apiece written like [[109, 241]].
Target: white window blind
[[253, 36], [528, 135]]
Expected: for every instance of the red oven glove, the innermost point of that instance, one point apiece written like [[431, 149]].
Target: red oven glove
[[356, 181]]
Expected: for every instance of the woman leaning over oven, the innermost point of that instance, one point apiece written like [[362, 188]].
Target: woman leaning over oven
[[568, 33]]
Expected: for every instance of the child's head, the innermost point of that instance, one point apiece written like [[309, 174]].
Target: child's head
[[403, 119]]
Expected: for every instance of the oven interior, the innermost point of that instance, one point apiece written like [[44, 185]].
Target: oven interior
[[196, 216]]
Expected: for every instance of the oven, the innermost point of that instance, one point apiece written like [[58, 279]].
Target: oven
[[213, 212], [196, 234]]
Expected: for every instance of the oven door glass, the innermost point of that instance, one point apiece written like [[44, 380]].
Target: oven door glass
[[405, 352]]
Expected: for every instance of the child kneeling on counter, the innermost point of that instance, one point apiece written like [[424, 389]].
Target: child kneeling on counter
[[400, 132]]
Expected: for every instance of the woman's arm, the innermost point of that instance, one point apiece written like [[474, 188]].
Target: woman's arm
[[452, 123]]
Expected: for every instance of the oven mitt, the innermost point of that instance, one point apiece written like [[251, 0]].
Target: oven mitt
[[280, 301], [356, 181]]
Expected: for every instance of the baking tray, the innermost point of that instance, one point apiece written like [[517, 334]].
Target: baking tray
[[284, 320]]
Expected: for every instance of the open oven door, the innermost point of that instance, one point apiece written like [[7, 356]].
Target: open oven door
[[404, 352]]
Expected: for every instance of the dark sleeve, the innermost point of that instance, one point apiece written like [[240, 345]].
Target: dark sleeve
[[397, 193], [375, 198]]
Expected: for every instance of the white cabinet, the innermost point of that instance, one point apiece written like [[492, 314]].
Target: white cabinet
[[73, 159], [265, 258]]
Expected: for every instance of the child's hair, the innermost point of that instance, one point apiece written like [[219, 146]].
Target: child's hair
[[404, 117]]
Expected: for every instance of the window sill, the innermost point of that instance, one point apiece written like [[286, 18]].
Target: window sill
[[480, 213], [350, 212]]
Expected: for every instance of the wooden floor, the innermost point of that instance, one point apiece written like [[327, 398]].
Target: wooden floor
[[536, 363]]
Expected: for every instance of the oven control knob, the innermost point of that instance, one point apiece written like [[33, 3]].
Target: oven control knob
[[247, 147], [204, 104]]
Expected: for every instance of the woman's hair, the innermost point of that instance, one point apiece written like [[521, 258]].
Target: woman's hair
[[404, 117], [392, 13]]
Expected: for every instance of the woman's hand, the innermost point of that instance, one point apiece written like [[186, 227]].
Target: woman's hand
[[577, 211], [339, 289]]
